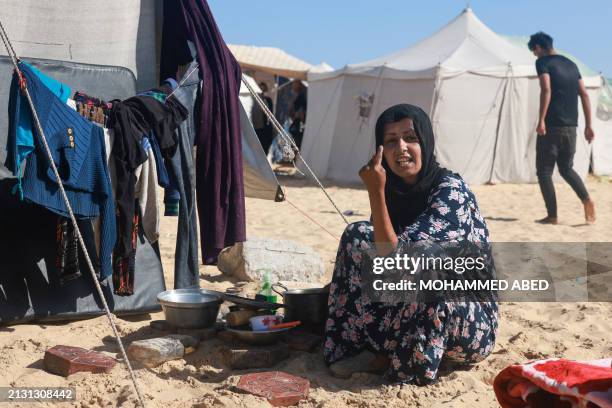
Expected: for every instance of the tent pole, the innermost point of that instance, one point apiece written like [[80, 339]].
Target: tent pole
[[436, 94], [276, 89], [499, 119]]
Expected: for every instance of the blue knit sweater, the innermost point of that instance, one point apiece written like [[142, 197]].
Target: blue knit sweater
[[78, 150]]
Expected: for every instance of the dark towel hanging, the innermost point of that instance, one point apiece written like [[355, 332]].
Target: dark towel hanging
[[219, 180]]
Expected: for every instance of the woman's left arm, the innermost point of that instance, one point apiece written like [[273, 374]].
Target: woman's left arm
[[374, 177]]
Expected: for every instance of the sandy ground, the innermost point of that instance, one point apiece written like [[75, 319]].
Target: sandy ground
[[527, 330]]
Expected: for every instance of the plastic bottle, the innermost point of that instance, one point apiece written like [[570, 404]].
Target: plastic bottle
[[266, 288]]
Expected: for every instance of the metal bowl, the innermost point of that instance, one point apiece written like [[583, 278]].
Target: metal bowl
[[190, 308]]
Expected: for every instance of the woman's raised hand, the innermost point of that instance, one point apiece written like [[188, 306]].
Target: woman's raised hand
[[373, 173]]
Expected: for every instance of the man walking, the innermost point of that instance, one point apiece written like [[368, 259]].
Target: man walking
[[560, 86]]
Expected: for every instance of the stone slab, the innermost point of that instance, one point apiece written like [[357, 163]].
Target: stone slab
[[153, 352], [286, 260]]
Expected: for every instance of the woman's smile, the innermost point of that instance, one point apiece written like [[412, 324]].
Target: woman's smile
[[405, 161]]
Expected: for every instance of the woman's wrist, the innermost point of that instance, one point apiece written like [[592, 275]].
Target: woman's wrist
[[377, 194]]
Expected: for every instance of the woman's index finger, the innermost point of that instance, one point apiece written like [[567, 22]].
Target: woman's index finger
[[379, 155]]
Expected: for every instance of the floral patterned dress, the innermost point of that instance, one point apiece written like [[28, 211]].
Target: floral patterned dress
[[415, 336]]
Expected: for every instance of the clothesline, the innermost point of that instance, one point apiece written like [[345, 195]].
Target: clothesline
[[184, 79]]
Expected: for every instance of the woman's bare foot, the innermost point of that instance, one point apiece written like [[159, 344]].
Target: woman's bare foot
[[364, 362], [548, 220], [589, 211]]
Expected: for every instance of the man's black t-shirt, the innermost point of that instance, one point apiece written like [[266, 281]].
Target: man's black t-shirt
[[564, 77]]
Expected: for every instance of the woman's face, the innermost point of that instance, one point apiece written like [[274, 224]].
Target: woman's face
[[402, 150]]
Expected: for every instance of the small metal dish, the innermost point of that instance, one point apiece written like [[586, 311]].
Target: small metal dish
[[190, 308]]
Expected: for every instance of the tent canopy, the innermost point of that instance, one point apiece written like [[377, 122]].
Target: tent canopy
[[464, 45], [271, 60], [274, 61]]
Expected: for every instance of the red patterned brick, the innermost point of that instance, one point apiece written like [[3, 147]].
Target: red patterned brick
[[66, 360], [279, 388]]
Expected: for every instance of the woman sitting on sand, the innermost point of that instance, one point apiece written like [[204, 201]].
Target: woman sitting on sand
[[412, 199]]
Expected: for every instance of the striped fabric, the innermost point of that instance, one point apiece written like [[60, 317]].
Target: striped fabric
[[78, 150]]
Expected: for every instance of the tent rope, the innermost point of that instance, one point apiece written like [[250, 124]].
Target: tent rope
[[312, 219], [289, 140], [24, 89], [184, 79]]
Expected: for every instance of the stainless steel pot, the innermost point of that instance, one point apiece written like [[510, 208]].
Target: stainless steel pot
[[309, 306], [190, 308]]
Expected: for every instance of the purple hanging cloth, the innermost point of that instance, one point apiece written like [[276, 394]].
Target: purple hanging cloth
[[219, 181]]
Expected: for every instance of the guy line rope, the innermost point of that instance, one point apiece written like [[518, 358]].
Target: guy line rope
[[289, 140]]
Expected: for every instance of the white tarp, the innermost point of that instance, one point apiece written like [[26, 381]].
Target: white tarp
[[118, 33], [481, 92]]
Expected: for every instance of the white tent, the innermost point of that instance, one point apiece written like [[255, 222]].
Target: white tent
[[118, 33], [271, 60], [602, 146], [480, 90], [320, 68]]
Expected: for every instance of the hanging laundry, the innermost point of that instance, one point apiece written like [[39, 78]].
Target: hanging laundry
[[77, 149], [24, 135], [220, 184], [130, 120], [93, 109], [123, 266], [147, 196], [146, 213], [67, 256], [172, 194], [181, 168], [162, 173]]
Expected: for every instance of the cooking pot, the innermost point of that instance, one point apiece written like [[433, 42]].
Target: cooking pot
[[190, 308], [309, 306]]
